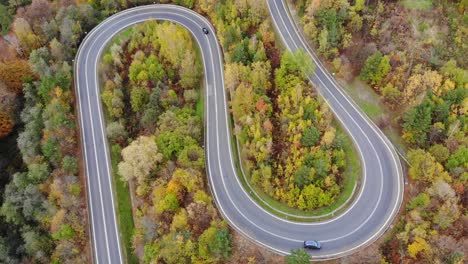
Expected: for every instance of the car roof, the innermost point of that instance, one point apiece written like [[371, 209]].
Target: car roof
[[311, 242]]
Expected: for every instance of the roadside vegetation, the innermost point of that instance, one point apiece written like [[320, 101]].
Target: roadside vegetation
[[152, 79], [43, 212], [413, 55], [289, 148], [276, 112], [287, 140], [43, 215]]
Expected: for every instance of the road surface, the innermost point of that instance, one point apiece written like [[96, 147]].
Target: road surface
[[368, 216]]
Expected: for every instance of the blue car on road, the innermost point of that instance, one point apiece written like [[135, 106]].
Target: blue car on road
[[312, 244]]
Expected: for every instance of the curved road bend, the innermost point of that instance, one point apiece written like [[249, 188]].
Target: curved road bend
[[366, 218], [382, 168]]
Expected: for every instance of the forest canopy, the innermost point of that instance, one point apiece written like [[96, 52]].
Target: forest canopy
[[412, 54]]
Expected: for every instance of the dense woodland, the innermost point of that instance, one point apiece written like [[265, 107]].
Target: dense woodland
[[414, 55], [288, 143], [43, 213], [411, 53], [288, 146]]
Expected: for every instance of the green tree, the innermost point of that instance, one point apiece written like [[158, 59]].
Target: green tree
[[243, 102], [330, 17], [155, 69], [359, 5], [116, 132], [155, 100], [303, 176], [38, 245], [7, 247], [223, 244], [38, 60], [375, 68], [304, 61], [261, 76], [48, 83], [170, 202], [459, 158], [152, 110], [324, 46], [70, 165], [321, 166], [421, 201], [151, 252], [65, 232], [176, 247], [424, 166], [23, 202], [439, 152], [171, 144], [51, 150], [311, 137], [38, 172], [391, 93], [29, 140], [6, 19], [293, 66], [138, 98], [149, 119], [416, 124], [241, 52], [192, 156], [214, 244]]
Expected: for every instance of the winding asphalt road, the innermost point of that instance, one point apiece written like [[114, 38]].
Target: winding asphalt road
[[368, 216]]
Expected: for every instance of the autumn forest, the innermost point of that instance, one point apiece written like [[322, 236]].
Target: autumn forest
[[403, 62]]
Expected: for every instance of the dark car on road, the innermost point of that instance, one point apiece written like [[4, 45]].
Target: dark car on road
[[205, 31], [312, 244]]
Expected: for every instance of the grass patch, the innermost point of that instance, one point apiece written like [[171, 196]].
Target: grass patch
[[351, 175], [417, 4], [199, 106], [123, 35], [371, 109], [124, 207], [366, 98], [370, 102]]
